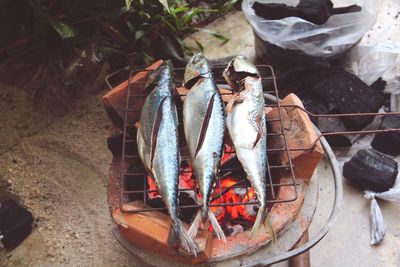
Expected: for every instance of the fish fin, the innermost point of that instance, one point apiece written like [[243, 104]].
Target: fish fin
[[195, 225], [259, 222], [255, 120], [180, 235], [154, 132], [236, 98], [217, 228], [271, 230], [204, 125], [262, 219], [214, 222], [259, 130]]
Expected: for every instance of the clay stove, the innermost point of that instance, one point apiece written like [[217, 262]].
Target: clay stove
[[136, 208]]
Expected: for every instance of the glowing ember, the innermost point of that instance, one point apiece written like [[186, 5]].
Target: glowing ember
[[228, 193], [234, 195]]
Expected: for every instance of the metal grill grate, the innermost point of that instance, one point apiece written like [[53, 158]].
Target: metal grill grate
[[267, 73]]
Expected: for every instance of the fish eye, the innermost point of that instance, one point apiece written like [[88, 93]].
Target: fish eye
[[196, 59]]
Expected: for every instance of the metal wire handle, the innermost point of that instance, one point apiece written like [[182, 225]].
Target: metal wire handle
[[338, 202]]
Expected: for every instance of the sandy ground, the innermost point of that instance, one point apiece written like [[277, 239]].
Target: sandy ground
[[57, 167]]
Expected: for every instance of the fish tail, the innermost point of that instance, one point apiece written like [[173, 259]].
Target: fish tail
[[217, 228], [195, 225], [179, 234], [201, 218], [262, 219]]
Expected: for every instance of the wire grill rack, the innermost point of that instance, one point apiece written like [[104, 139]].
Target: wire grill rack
[[267, 73], [129, 140]]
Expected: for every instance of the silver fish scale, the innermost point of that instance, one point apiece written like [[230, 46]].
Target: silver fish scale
[[240, 123], [165, 170], [166, 157], [195, 108]]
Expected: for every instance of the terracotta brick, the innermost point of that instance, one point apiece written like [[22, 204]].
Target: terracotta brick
[[115, 100], [300, 133], [150, 231]]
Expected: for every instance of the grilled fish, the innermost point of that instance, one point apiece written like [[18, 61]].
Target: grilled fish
[[157, 139], [247, 128], [204, 127]]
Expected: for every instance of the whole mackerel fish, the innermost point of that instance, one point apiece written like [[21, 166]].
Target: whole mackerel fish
[[247, 129], [204, 127], [157, 139]]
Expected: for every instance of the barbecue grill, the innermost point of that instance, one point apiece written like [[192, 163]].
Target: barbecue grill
[[293, 195]]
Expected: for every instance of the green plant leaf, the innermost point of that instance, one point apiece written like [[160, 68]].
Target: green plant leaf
[[178, 23], [139, 34], [215, 34], [187, 18], [179, 9], [144, 14], [130, 27], [64, 30], [128, 4], [165, 4], [199, 45]]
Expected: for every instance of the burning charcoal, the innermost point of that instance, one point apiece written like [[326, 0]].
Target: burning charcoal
[[371, 170], [315, 11], [232, 167], [246, 224], [234, 229], [15, 223], [328, 124], [251, 210], [186, 214], [345, 93], [388, 143]]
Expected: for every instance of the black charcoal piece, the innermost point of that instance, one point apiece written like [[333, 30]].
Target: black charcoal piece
[[344, 93], [315, 11], [327, 124], [389, 142], [371, 170], [15, 223], [232, 167], [334, 125], [379, 85]]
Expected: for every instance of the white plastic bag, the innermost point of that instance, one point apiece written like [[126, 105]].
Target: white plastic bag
[[337, 35], [369, 62], [378, 227]]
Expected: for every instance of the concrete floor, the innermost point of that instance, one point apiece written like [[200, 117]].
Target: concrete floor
[[348, 242]]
